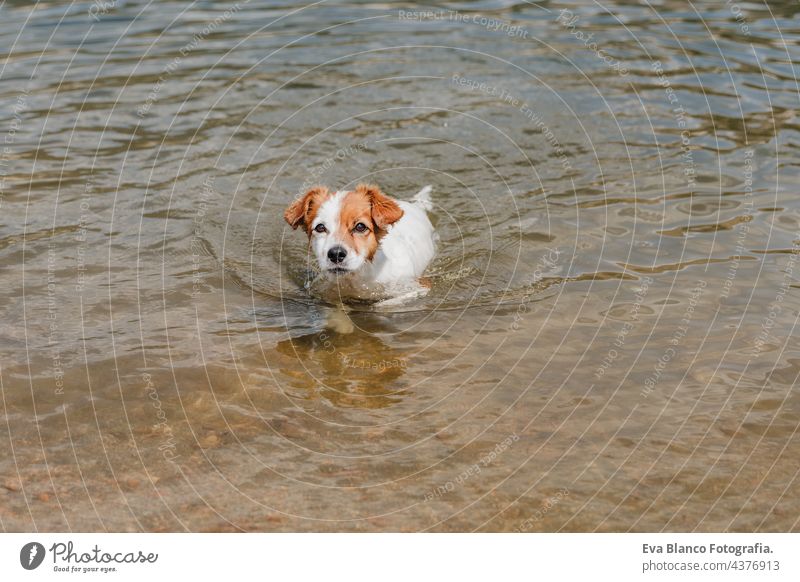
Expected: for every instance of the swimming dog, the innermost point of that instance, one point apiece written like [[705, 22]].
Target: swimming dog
[[365, 243]]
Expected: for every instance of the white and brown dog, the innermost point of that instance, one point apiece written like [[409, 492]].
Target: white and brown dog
[[367, 245]]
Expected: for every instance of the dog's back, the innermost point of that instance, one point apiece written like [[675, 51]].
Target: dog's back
[[409, 246]]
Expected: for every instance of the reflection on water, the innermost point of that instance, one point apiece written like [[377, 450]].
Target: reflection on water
[[348, 367], [608, 343]]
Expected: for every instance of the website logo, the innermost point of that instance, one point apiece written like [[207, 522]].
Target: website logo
[[31, 555]]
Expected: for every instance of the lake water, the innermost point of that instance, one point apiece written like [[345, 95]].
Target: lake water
[[609, 343]]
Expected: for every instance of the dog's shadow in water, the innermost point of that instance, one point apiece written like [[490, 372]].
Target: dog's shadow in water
[[345, 363]]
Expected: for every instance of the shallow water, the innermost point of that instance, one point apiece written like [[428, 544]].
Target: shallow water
[[609, 342]]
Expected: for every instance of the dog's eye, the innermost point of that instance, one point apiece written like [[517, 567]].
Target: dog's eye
[[361, 227], [320, 228]]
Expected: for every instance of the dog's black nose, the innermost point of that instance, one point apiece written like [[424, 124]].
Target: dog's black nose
[[337, 254]]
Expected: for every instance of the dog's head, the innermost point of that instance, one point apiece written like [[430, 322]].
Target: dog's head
[[344, 228]]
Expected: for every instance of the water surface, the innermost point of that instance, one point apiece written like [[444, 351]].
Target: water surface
[[609, 343]]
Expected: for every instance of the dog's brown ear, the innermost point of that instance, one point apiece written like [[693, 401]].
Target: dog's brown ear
[[300, 210], [385, 211]]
